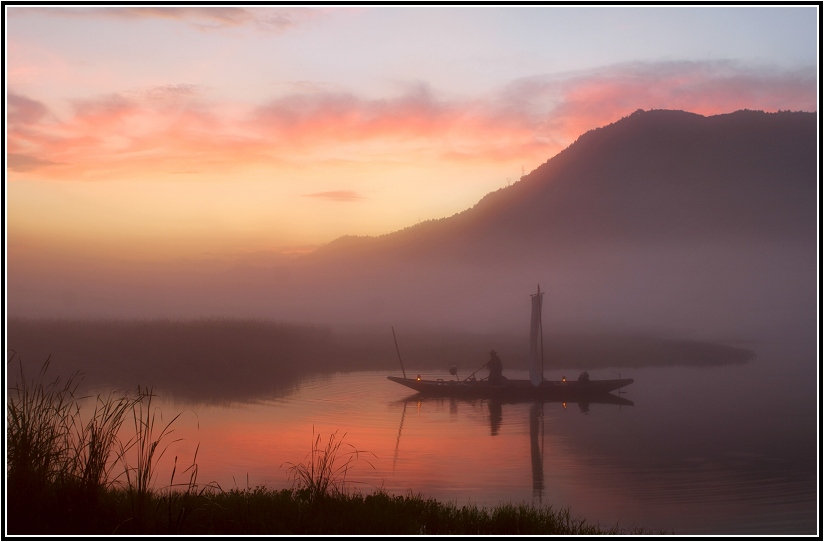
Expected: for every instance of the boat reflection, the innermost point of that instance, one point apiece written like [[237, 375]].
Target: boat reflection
[[496, 408], [536, 446], [496, 416], [496, 404]]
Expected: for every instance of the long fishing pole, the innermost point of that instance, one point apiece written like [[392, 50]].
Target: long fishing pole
[[398, 350], [541, 326]]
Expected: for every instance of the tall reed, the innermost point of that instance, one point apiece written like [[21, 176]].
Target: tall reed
[[90, 462], [148, 451], [184, 498], [40, 417], [59, 465], [324, 473]]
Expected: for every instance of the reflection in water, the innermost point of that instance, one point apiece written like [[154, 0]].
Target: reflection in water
[[495, 408], [495, 405], [398, 441], [495, 416], [536, 442]]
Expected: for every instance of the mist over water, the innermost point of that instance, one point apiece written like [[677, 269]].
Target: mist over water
[[224, 360], [699, 226], [698, 292]]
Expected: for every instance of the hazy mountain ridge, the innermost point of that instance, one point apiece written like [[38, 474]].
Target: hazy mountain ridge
[[654, 176]]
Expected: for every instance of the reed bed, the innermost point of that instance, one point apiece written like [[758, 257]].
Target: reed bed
[[67, 476], [63, 468], [273, 357]]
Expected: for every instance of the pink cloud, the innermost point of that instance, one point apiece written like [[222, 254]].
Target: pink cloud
[[592, 99], [24, 162], [414, 120], [177, 128], [22, 110]]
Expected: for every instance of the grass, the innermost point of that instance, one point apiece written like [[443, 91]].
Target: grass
[[324, 473], [263, 511], [39, 461], [62, 469], [67, 476], [148, 450]]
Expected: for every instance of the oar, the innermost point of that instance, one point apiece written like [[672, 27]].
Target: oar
[[398, 350], [476, 370]]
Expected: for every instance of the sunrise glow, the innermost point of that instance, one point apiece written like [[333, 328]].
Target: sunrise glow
[[152, 132]]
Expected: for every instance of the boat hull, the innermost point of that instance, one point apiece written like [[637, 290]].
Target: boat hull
[[513, 389]]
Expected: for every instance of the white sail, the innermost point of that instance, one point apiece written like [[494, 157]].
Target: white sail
[[536, 343]]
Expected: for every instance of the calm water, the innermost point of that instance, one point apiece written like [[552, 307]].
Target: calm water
[[725, 450]]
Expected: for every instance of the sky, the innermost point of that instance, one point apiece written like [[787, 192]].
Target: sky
[[151, 133]]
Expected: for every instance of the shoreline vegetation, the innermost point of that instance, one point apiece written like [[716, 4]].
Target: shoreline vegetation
[[271, 358], [74, 473]]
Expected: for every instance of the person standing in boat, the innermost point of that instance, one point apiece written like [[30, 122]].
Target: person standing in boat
[[496, 368]]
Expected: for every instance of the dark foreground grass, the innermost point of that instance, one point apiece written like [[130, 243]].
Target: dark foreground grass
[[292, 512], [69, 474]]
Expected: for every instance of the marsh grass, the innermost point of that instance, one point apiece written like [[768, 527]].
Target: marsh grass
[[148, 451], [324, 474], [263, 511], [91, 458], [40, 417], [63, 470]]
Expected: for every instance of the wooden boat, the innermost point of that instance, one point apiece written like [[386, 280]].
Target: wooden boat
[[513, 389], [536, 388]]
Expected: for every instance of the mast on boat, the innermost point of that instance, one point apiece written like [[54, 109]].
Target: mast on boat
[[536, 340]]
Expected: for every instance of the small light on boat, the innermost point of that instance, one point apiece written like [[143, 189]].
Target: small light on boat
[[563, 379], [564, 404], [419, 377]]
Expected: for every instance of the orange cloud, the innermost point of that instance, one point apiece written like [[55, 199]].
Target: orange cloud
[[173, 129]]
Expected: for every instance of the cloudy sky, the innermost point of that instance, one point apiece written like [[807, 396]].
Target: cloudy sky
[[160, 132]]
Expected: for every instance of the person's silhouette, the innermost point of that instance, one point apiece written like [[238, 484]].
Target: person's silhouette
[[496, 368]]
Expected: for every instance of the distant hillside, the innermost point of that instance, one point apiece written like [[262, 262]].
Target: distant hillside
[[663, 219], [652, 177]]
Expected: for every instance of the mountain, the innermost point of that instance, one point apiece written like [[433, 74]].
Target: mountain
[[663, 219], [653, 177]]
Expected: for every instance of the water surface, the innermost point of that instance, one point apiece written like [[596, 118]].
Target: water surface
[[720, 450]]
